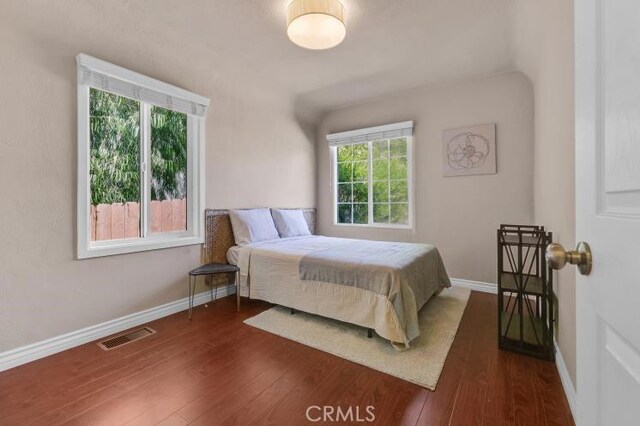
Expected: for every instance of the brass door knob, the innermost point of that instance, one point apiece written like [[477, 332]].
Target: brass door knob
[[558, 257]]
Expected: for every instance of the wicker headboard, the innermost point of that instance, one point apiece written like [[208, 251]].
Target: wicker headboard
[[219, 234]]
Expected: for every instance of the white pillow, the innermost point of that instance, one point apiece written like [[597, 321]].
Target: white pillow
[[252, 225], [290, 223]]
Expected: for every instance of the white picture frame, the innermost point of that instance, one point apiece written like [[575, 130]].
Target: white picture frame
[[468, 151]]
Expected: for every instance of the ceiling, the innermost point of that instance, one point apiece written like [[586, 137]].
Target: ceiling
[[390, 46]]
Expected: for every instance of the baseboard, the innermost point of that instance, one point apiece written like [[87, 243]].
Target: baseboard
[[567, 384], [34, 351], [475, 285]]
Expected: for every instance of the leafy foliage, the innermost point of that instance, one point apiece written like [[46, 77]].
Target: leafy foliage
[[168, 154], [115, 150], [389, 182]]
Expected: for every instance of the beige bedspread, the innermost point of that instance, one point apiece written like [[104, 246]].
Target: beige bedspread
[[398, 278]]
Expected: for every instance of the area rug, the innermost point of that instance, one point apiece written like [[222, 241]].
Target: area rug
[[421, 364]]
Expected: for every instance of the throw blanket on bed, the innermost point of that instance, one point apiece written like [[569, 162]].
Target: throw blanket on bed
[[405, 274], [377, 266]]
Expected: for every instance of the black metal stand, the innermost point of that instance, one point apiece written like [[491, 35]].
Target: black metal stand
[[208, 270], [525, 291]]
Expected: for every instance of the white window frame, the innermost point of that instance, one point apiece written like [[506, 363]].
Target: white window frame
[[195, 166], [369, 135]]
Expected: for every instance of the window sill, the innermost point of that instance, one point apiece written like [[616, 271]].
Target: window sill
[[110, 248], [374, 225]]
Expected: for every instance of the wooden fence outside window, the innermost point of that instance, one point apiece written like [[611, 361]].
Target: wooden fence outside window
[[122, 220]]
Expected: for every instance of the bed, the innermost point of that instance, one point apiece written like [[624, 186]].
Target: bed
[[373, 284]]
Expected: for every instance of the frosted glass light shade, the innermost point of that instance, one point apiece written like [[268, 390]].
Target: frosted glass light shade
[[316, 24]]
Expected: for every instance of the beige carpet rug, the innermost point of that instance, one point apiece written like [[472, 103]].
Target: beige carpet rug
[[421, 364]]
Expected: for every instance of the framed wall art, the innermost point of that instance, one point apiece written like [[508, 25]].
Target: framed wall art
[[469, 150]]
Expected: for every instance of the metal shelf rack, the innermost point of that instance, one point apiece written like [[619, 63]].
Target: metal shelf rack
[[525, 291]]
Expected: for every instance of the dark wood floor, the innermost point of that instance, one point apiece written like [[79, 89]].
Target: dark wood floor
[[216, 370]]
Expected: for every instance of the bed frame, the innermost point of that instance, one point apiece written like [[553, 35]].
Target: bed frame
[[219, 233]]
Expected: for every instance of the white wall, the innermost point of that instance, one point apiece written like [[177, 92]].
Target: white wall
[[542, 47], [459, 215], [257, 154]]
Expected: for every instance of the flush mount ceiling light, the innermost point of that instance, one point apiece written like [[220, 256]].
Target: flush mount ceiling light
[[316, 24]]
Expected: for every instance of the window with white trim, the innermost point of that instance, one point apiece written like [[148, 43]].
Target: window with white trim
[[372, 176], [140, 153]]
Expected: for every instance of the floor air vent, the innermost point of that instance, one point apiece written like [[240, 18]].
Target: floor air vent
[[128, 337]]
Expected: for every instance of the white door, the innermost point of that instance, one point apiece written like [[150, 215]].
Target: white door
[[607, 70]]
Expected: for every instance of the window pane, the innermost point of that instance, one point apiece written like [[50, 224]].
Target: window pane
[[380, 149], [398, 147], [345, 172], [381, 213], [360, 193], [168, 170], [344, 193], [386, 172], [114, 125], [380, 170], [400, 214], [361, 171], [344, 213], [380, 192], [398, 168], [399, 191], [360, 213], [345, 153], [361, 152]]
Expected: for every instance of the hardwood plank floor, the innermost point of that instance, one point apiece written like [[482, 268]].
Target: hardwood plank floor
[[216, 370]]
